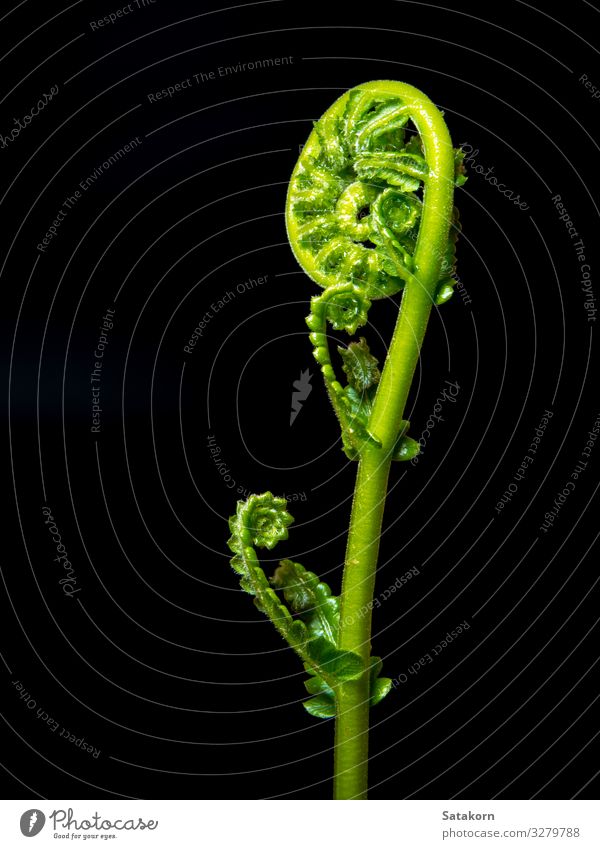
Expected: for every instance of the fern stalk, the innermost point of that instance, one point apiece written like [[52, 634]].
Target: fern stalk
[[352, 718], [359, 229]]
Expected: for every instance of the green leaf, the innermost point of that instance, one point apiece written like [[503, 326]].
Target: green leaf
[[401, 213], [395, 217], [362, 370], [359, 405], [323, 707], [403, 170], [460, 172], [323, 702], [380, 119], [360, 366], [351, 408], [316, 685], [414, 145], [346, 307], [333, 663], [308, 597], [333, 154], [444, 291], [309, 621], [406, 448], [375, 667], [262, 521], [379, 687]]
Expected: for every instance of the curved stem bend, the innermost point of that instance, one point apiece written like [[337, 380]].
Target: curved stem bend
[[352, 719]]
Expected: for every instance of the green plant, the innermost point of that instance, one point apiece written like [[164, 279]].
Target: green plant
[[369, 214]]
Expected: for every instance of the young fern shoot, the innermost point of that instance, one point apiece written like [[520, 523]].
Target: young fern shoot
[[369, 214]]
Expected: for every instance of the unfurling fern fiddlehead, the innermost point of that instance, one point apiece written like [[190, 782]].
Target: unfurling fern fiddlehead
[[305, 614], [369, 214]]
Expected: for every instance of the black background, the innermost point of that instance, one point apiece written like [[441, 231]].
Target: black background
[[159, 660]]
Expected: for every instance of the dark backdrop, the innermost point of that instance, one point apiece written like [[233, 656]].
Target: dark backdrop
[[149, 651]]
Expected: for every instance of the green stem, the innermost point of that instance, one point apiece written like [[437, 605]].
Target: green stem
[[352, 702], [352, 698]]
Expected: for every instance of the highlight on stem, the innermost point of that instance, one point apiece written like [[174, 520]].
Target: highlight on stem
[[369, 214]]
